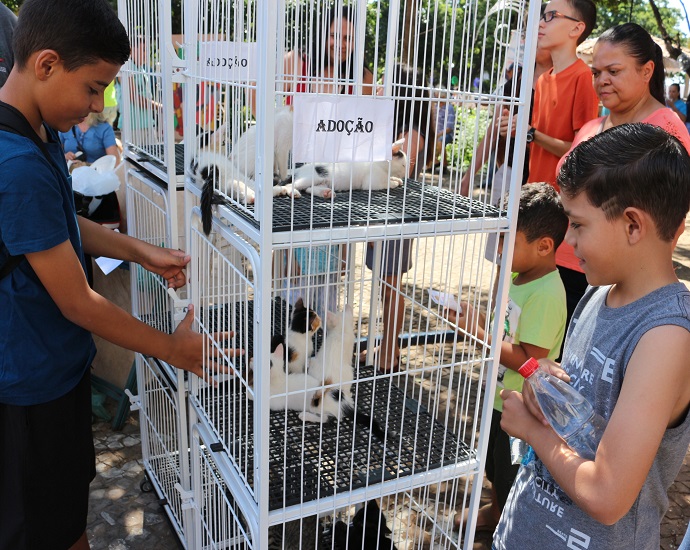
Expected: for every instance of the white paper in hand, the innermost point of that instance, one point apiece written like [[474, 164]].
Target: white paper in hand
[[445, 299]]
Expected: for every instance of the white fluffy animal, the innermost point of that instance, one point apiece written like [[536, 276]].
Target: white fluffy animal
[[244, 151], [302, 392], [333, 361], [323, 179], [232, 174]]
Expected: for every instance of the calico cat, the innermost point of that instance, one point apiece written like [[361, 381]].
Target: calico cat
[[298, 341], [323, 179], [334, 359]]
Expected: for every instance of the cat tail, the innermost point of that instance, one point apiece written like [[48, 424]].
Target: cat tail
[[362, 419], [209, 198]]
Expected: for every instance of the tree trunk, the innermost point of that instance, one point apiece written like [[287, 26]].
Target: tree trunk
[[674, 50]]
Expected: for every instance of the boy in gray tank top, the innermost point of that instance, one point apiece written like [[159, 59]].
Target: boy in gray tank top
[[626, 192]]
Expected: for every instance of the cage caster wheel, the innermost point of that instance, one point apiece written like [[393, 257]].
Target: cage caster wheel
[[146, 486]]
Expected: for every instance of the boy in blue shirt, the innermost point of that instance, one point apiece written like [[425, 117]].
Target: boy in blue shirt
[[626, 192], [66, 54], [533, 326]]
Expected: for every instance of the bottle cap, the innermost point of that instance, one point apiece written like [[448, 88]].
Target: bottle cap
[[529, 367]]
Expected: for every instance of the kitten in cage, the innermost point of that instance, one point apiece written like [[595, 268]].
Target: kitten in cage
[[244, 151], [334, 359], [324, 179], [367, 530], [298, 341], [293, 390], [214, 169], [299, 391]]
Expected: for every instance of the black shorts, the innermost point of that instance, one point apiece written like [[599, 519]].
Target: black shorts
[[47, 462], [500, 471]]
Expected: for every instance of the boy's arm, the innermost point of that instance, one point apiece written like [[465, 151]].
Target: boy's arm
[[512, 355], [69, 290], [654, 396], [100, 241]]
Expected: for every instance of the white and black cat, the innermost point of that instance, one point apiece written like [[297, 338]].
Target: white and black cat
[[302, 392], [324, 179], [220, 174]]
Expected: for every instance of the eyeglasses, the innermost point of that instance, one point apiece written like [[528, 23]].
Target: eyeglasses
[[549, 15]]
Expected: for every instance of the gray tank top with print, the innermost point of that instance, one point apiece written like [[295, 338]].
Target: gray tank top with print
[[599, 344]]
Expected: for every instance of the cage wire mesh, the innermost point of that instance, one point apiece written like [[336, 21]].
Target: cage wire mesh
[[159, 411], [359, 406]]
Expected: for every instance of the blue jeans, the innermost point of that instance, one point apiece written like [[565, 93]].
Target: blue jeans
[[685, 544]]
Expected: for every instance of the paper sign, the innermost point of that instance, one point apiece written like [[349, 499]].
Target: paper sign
[[107, 265], [445, 299], [335, 128], [228, 61]]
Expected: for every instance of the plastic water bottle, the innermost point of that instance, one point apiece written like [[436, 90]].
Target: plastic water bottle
[[569, 413]]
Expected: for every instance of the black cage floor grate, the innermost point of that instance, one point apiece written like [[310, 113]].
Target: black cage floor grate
[[154, 154], [412, 203], [311, 461]]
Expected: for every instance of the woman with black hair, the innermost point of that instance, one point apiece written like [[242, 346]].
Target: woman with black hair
[[628, 76]]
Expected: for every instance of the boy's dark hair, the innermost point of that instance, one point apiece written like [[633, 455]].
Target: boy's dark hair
[[639, 44], [82, 32], [632, 165], [586, 12], [541, 214]]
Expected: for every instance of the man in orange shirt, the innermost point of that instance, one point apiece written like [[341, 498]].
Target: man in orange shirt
[[564, 97]]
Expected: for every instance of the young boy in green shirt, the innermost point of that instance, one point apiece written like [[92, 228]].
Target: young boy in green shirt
[[534, 324]]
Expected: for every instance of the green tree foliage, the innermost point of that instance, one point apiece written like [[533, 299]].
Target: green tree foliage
[[616, 12]]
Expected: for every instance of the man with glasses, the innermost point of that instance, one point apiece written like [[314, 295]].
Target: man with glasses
[[564, 97], [564, 100]]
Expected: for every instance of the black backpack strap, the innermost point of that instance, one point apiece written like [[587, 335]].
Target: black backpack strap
[[9, 265], [11, 120]]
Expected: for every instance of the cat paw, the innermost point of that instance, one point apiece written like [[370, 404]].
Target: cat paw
[[279, 191], [394, 182], [328, 193]]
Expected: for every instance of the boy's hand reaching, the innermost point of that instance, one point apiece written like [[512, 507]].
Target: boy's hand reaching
[[167, 263], [188, 351]]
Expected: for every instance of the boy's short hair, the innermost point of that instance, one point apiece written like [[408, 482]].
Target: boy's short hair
[[587, 13], [82, 32], [632, 165], [541, 213]]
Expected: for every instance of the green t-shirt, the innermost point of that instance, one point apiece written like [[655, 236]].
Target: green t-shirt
[[535, 314]]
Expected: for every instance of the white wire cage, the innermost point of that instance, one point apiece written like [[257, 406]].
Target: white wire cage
[[414, 442], [161, 388], [164, 451]]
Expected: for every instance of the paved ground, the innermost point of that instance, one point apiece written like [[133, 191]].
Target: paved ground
[[123, 517]]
